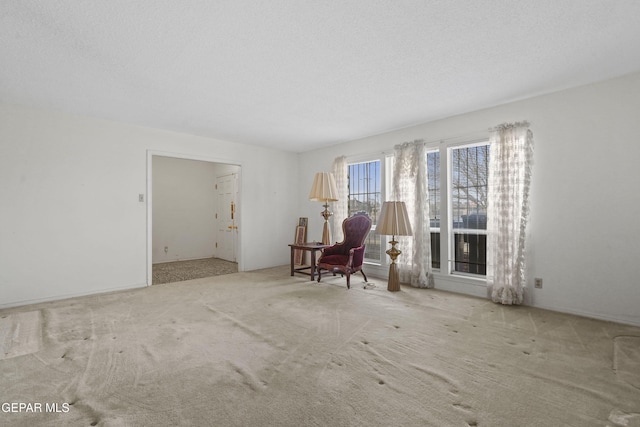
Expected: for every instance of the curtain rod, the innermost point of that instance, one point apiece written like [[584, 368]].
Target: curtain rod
[[478, 133], [474, 134]]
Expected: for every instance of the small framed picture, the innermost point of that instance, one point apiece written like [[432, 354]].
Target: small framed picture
[[298, 257], [300, 234], [302, 222]]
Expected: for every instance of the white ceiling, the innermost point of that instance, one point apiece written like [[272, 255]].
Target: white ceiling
[[298, 75]]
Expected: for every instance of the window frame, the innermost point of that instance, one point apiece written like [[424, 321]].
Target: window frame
[[447, 245], [436, 230], [451, 235]]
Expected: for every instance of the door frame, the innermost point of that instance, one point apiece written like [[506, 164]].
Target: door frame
[[149, 201]]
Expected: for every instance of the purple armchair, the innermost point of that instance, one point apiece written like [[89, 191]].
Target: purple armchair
[[347, 256]]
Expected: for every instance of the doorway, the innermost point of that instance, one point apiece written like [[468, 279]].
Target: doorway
[[183, 212]]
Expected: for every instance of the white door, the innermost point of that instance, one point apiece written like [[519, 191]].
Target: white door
[[227, 217]]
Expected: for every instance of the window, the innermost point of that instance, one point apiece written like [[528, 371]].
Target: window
[[433, 175], [463, 208], [468, 195], [457, 180], [364, 180]]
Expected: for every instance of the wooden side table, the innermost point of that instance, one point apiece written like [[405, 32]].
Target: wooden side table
[[310, 247]]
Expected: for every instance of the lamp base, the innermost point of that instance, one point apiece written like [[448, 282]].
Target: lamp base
[[394, 275], [394, 278], [326, 214], [326, 237]]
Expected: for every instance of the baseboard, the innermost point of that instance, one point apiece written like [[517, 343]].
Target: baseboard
[[184, 259], [589, 314], [71, 295]]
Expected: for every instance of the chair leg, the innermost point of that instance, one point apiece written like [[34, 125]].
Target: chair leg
[[365, 276], [348, 284], [319, 274]]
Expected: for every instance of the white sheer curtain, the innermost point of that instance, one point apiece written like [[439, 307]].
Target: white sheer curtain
[[410, 185], [510, 162], [341, 207]]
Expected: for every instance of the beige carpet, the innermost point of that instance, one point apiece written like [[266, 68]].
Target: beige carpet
[[179, 271], [266, 349]]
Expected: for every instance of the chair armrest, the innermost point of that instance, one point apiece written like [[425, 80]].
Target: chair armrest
[[333, 250], [356, 256]]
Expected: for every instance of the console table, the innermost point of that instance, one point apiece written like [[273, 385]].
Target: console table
[[311, 247]]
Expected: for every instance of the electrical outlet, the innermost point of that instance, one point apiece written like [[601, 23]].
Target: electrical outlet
[[141, 197], [538, 283], [166, 249]]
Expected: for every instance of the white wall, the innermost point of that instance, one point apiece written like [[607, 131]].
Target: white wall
[[584, 234], [184, 205], [70, 220], [71, 223]]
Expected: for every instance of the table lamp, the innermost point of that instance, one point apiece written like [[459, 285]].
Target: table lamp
[[393, 221], [324, 190]]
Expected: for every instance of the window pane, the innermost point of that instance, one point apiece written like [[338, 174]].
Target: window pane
[[470, 170], [364, 196], [435, 250], [471, 253], [364, 189], [372, 248]]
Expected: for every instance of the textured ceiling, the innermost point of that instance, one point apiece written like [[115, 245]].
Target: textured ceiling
[[297, 75]]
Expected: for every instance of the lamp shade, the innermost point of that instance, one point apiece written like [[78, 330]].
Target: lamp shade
[[324, 188], [394, 220]]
